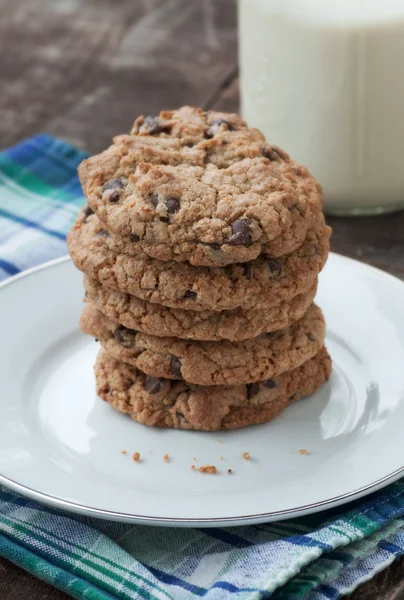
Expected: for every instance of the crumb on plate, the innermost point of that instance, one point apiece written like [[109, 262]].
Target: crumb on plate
[[246, 455], [303, 451], [123, 452], [136, 456], [210, 469], [230, 472], [166, 458], [192, 467]]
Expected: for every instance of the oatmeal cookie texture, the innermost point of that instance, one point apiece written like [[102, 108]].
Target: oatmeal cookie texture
[[167, 403], [210, 363], [201, 244], [202, 187], [258, 284], [155, 319]]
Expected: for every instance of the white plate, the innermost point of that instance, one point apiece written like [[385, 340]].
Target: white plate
[[61, 445]]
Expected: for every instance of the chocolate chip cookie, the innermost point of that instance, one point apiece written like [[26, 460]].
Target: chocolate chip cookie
[[201, 187], [210, 363], [177, 404], [258, 284], [234, 325]]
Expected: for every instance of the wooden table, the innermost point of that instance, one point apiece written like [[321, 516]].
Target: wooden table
[[83, 69]]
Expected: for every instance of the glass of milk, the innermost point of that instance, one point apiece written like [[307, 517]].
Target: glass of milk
[[324, 80]]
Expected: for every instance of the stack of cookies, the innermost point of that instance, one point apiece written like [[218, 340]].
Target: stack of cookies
[[201, 246]]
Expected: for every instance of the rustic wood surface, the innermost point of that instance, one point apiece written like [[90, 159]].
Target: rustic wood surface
[[83, 69]]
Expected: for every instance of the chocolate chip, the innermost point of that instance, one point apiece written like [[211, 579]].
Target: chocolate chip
[[241, 233], [154, 199], [155, 126], [213, 246], [248, 271], [172, 205], [268, 153], [272, 153], [134, 238], [269, 383], [115, 196], [252, 389], [152, 124], [152, 385], [311, 337], [87, 211], [214, 126], [175, 366], [279, 153], [190, 294], [103, 233], [180, 414], [274, 265], [113, 184], [125, 336]]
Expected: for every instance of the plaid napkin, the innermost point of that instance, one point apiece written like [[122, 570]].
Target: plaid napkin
[[317, 557]]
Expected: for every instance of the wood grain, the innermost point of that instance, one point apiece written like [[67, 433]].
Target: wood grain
[[16, 584], [83, 69]]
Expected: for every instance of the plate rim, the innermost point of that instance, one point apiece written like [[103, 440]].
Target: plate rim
[[77, 508], [91, 511]]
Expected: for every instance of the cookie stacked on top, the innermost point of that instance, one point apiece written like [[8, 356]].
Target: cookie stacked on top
[[201, 246]]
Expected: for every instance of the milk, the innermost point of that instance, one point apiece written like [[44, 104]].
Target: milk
[[324, 80]]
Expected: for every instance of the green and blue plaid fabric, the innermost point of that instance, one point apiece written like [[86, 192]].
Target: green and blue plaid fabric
[[317, 557]]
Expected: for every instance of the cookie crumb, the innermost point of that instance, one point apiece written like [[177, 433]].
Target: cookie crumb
[[192, 467], [210, 469], [230, 472], [136, 457], [222, 458], [220, 441], [303, 451], [166, 458], [246, 455], [123, 452], [194, 459]]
